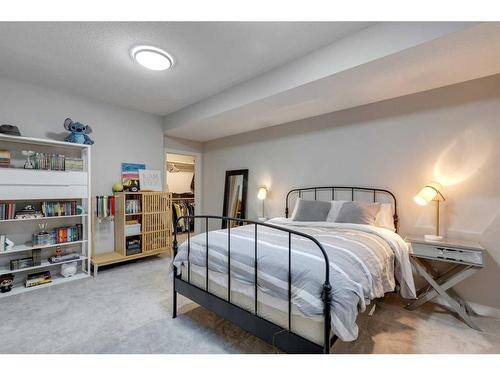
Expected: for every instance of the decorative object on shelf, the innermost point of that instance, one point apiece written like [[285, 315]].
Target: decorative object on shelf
[[17, 264], [42, 237], [39, 278], [130, 176], [73, 164], [28, 164], [78, 133], [8, 244], [58, 252], [10, 130], [4, 158], [5, 244], [28, 212], [80, 210], [150, 180], [262, 195], [117, 187], [68, 269], [431, 192], [6, 282]]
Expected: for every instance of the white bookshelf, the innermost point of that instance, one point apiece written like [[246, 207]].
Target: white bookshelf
[[25, 186]]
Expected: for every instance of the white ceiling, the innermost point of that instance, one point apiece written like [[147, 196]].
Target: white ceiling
[[381, 62], [92, 59]]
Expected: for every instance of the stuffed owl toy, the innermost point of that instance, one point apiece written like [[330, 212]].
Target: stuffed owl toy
[[78, 132]]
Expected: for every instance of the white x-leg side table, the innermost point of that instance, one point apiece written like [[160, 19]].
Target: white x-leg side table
[[465, 259]]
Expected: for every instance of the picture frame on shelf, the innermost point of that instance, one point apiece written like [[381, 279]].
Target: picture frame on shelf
[[150, 180]]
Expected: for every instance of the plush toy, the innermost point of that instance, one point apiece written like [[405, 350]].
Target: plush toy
[[78, 132]]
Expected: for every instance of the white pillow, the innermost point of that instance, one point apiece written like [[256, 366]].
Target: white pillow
[[334, 211], [385, 217]]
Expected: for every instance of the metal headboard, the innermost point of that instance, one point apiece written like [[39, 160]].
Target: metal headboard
[[376, 192]]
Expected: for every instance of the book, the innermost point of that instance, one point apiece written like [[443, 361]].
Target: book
[[38, 278]]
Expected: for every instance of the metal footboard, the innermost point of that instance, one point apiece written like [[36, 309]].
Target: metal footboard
[[281, 337]]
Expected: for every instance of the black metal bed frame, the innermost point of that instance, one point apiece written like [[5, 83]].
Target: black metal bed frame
[[281, 337]]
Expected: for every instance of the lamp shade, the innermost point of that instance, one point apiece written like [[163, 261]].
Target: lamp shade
[[262, 194], [427, 194]]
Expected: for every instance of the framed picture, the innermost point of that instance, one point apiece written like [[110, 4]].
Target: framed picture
[[150, 180], [130, 176]]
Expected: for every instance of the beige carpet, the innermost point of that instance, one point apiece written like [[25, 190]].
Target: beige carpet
[[127, 309]]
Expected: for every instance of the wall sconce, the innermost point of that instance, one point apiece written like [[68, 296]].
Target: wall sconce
[[262, 195], [431, 192]]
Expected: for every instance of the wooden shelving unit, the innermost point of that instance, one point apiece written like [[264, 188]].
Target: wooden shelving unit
[[155, 217], [33, 186]]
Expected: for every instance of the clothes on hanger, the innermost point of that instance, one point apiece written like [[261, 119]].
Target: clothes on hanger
[[183, 208]]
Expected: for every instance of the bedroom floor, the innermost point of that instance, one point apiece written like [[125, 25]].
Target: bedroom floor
[[127, 309]]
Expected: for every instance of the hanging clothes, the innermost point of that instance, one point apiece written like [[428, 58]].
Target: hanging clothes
[[183, 208]]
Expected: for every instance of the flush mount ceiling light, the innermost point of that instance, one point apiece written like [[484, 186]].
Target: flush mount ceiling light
[[151, 57]]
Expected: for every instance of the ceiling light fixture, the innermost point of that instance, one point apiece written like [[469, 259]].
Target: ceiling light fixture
[[152, 58]]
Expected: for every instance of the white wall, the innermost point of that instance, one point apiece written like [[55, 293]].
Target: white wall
[[451, 135], [120, 135]]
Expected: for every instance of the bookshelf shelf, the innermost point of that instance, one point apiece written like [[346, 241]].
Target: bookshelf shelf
[[42, 218], [45, 264], [56, 280], [28, 246], [32, 187]]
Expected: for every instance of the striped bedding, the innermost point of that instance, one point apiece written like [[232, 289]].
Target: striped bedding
[[365, 262]]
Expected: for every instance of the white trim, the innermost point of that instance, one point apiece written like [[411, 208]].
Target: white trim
[[481, 310], [198, 182], [40, 141]]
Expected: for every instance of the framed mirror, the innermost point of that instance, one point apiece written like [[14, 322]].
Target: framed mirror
[[235, 195]]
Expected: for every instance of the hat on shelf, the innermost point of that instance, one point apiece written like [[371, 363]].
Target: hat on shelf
[[10, 130]]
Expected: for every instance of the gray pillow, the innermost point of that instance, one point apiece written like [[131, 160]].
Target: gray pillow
[[311, 210], [358, 213]]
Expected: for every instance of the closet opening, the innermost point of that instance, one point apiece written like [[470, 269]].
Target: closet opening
[[180, 177]]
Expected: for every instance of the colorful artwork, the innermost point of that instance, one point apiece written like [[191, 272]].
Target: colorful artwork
[[130, 176]]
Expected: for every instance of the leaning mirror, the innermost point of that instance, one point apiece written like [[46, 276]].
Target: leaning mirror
[[235, 196]]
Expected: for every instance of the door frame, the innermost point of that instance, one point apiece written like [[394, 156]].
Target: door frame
[[197, 174]]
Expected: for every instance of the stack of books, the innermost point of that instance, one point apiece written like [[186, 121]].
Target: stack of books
[[66, 208], [53, 162], [64, 258], [58, 235], [4, 158], [38, 278], [7, 211], [69, 234], [73, 164]]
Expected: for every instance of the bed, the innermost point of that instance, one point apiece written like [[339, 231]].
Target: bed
[[297, 285]]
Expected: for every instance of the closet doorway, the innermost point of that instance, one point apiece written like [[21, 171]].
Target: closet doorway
[[180, 181]]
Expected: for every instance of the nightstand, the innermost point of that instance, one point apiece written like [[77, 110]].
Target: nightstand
[[464, 258]]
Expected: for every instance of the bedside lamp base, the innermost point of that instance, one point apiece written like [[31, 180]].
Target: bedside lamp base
[[432, 237]]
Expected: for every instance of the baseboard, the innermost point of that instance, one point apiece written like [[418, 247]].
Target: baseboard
[[479, 309]]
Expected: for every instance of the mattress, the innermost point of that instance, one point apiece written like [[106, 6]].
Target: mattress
[[271, 308], [364, 263]]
